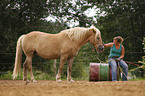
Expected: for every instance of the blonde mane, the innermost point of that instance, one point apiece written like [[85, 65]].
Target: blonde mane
[[79, 32]]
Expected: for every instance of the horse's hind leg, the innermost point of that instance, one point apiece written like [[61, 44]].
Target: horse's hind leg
[[29, 65], [25, 70]]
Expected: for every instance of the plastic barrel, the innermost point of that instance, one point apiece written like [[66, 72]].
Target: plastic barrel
[[94, 72], [101, 72], [104, 72]]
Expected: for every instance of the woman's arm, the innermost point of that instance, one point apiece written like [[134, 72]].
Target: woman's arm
[[122, 52], [108, 45]]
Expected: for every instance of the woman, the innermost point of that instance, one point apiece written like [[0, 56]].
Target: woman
[[117, 54]]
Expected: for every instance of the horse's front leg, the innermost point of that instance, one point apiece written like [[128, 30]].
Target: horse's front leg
[[61, 64], [69, 69]]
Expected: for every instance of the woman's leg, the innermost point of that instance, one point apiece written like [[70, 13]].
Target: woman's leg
[[125, 69], [113, 65]]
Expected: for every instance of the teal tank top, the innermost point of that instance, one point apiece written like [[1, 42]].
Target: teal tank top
[[115, 52]]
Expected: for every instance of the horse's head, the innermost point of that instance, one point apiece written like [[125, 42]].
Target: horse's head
[[95, 39]]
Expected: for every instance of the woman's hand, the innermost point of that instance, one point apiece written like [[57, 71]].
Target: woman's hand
[[118, 59]]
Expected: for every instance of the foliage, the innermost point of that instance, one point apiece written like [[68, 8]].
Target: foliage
[[143, 60], [68, 11]]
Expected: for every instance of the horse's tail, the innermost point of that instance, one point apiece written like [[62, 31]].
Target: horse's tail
[[18, 58]]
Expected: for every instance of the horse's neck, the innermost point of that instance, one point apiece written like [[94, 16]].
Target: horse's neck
[[83, 41]]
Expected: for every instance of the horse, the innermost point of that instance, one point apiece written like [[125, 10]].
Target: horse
[[64, 45]]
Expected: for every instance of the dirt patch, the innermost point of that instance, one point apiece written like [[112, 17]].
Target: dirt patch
[[78, 88]]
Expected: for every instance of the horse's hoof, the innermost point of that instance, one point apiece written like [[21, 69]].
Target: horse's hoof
[[58, 78], [34, 81], [58, 81], [27, 81], [71, 80]]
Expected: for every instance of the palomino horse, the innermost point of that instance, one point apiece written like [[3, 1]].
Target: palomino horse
[[64, 45]]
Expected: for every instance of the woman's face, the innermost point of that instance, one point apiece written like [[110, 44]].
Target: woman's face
[[115, 41]]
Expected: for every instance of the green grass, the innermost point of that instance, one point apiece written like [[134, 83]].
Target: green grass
[[39, 75], [6, 76], [138, 79]]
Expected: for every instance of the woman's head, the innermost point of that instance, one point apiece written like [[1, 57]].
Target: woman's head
[[119, 39]]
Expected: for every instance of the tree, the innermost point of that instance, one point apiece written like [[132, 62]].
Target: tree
[[68, 11], [18, 17]]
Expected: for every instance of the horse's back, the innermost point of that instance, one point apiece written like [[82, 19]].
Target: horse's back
[[29, 42], [33, 37], [44, 44], [35, 34]]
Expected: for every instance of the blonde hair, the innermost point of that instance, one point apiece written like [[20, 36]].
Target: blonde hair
[[78, 32]]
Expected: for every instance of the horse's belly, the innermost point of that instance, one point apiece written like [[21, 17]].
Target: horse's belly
[[48, 55]]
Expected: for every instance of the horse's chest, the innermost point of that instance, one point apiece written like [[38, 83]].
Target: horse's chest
[[73, 53]]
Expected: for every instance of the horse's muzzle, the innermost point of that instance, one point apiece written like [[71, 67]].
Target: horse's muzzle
[[100, 48]]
